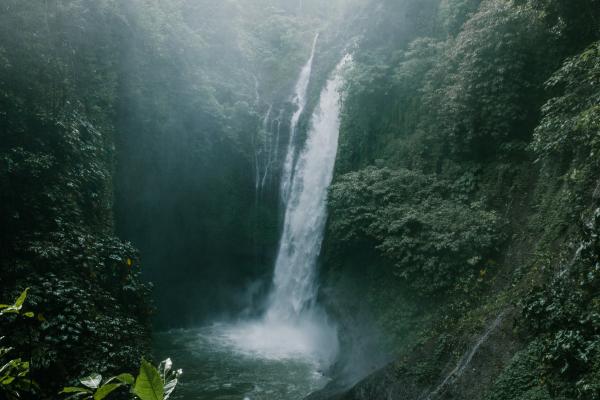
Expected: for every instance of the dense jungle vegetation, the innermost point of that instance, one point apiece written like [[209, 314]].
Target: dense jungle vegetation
[[461, 257], [467, 188]]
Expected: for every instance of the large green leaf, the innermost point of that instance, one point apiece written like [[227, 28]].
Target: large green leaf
[[149, 385], [123, 378], [105, 390]]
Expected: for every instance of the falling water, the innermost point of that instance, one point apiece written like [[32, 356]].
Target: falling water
[[283, 353], [294, 326], [263, 152], [294, 283], [299, 101]]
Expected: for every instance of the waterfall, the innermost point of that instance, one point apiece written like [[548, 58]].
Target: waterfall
[[263, 151], [294, 286], [294, 325], [299, 101], [266, 149]]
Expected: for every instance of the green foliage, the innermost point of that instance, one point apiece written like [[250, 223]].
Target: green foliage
[[14, 373], [14, 377], [16, 307], [575, 22], [471, 96], [433, 236], [384, 105], [571, 119], [92, 307], [460, 102], [565, 316], [152, 383], [453, 13], [58, 91], [148, 385], [522, 379], [484, 92]]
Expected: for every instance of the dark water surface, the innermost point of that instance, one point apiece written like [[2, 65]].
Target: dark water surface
[[214, 368]]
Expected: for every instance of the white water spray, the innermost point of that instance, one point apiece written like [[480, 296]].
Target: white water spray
[[299, 101], [294, 326]]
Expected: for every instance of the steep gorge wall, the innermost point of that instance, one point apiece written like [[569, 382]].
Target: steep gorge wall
[[57, 160], [466, 182]]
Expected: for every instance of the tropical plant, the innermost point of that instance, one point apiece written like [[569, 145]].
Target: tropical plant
[[14, 373], [152, 383], [17, 306], [571, 119]]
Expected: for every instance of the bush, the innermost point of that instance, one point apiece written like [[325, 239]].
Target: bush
[[571, 120], [565, 316], [426, 227]]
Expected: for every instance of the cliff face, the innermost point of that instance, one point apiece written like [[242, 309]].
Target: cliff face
[[462, 217], [56, 187]]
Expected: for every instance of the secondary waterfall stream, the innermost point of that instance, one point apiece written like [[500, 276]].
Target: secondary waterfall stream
[[299, 101], [282, 354]]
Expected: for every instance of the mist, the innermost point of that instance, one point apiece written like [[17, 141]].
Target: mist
[[186, 191], [299, 199]]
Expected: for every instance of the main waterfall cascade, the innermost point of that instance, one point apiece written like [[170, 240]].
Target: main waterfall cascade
[[294, 326], [305, 215], [282, 354]]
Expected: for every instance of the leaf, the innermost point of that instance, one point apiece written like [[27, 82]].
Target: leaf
[[73, 389], [105, 390], [92, 381], [29, 314], [21, 299], [8, 380], [9, 310], [148, 385], [128, 379], [80, 395]]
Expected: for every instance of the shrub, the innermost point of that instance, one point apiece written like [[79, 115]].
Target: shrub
[[431, 233]]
